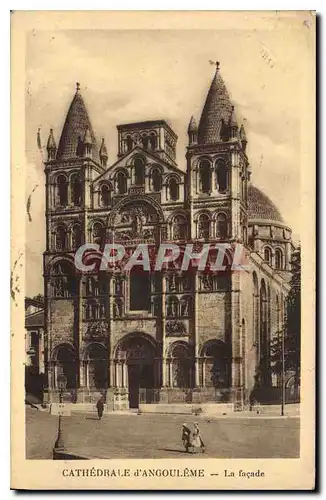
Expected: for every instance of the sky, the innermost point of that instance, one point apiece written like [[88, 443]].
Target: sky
[[135, 75]]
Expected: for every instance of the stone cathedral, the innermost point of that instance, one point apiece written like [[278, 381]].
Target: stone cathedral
[[170, 336]]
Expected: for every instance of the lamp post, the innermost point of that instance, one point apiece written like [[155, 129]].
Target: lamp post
[[62, 383]]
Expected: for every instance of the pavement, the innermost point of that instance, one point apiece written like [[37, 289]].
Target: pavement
[[159, 436]]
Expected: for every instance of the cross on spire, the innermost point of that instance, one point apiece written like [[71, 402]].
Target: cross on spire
[[215, 63]]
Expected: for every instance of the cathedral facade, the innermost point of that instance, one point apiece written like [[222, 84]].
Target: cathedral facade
[[170, 335]]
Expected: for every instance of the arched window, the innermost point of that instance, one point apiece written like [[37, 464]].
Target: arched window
[[65, 361], [172, 309], [216, 364], [179, 228], [139, 172], [203, 226], [105, 195], [139, 290], [144, 141], [205, 176], [156, 180], [153, 141], [98, 233], [221, 226], [122, 183], [181, 365], [221, 176], [278, 259], [76, 236], [62, 185], [267, 255], [75, 189], [96, 367], [129, 143], [173, 189], [255, 309], [61, 237]]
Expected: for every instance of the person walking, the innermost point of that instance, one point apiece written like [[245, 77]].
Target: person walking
[[197, 439], [186, 435], [100, 407]]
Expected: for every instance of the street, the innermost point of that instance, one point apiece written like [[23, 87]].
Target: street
[[159, 436]]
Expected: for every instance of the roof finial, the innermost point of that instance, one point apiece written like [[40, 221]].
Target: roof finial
[[215, 63], [77, 86]]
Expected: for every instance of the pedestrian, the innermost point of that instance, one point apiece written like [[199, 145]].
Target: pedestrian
[[197, 439], [186, 435], [100, 407]]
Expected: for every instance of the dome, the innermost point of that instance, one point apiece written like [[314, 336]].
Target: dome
[[261, 207]]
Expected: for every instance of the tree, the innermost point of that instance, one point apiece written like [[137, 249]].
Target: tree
[[292, 326]]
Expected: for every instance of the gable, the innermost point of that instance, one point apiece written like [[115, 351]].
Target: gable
[[150, 160]]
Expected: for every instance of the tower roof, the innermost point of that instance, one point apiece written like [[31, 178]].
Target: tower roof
[[51, 142], [218, 106], [260, 206], [233, 119], [76, 124], [103, 149], [192, 127]]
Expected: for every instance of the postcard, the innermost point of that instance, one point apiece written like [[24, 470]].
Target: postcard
[[163, 250]]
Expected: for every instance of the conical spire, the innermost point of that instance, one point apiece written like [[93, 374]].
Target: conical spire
[[51, 146], [76, 124], [217, 107], [243, 138], [103, 153], [233, 119], [88, 137], [192, 127]]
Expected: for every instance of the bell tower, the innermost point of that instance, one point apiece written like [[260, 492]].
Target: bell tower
[[218, 169]]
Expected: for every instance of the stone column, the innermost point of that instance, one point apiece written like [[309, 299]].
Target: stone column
[[236, 330], [163, 306], [196, 336]]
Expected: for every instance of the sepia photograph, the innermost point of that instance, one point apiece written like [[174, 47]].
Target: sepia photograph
[[163, 243]]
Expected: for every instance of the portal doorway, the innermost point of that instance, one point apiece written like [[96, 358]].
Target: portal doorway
[[141, 377], [136, 354]]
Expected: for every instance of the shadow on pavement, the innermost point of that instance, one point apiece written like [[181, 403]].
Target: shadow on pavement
[[174, 450]]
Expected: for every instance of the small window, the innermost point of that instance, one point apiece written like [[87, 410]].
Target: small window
[[139, 172], [75, 189], [129, 143], [153, 141], [76, 236], [173, 189], [278, 259], [203, 226], [62, 190], [267, 255], [122, 183], [144, 141], [61, 238], [205, 176], [221, 229], [105, 196], [156, 180], [221, 176]]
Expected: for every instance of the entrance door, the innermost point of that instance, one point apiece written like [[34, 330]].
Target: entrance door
[[140, 376], [133, 385]]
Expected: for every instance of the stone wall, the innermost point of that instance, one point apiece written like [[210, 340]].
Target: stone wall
[[213, 316]]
